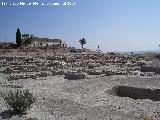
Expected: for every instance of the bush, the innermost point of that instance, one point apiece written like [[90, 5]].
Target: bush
[[140, 57], [19, 101]]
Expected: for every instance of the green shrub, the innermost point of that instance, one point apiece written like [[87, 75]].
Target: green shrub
[[140, 57], [19, 101]]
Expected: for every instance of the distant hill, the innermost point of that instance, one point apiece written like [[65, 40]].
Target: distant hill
[[142, 52]]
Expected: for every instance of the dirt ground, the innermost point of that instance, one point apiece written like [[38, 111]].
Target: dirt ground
[[85, 99]]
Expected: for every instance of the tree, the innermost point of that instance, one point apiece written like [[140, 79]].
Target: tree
[[27, 38], [31, 36], [18, 38], [82, 42]]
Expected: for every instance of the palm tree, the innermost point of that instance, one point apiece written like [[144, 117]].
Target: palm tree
[[82, 42]]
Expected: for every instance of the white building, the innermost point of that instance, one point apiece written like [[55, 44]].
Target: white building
[[46, 42]]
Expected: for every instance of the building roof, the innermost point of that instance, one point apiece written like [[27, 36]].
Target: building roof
[[45, 39]]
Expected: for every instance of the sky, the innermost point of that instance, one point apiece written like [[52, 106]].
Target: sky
[[116, 25]]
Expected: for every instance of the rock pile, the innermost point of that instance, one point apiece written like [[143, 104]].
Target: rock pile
[[57, 72], [27, 75], [71, 75], [90, 62], [95, 72], [151, 67]]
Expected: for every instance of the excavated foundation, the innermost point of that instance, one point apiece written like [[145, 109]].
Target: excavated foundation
[[136, 93]]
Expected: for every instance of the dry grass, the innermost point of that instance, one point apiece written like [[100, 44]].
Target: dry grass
[[31, 118], [149, 118]]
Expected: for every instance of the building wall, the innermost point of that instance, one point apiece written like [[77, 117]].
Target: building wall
[[44, 42], [49, 44]]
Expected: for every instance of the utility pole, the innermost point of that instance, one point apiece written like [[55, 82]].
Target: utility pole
[[5, 41]]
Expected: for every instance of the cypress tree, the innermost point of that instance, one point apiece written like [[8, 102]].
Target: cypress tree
[[18, 37]]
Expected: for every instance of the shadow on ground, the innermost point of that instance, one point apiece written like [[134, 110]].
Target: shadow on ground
[[136, 93], [7, 114]]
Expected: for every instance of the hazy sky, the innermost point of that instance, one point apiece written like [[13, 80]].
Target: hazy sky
[[117, 25]]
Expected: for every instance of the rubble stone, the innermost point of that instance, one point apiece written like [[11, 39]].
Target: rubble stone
[[70, 75]]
